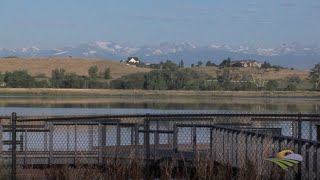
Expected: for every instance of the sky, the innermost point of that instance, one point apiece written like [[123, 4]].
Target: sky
[[56, 23]]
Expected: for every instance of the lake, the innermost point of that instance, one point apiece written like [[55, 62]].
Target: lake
[[64, 137], [134, 105]]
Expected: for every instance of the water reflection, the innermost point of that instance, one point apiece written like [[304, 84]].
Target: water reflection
[[91, 104]]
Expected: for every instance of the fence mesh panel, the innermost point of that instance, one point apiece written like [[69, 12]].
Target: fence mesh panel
[[196, 146]]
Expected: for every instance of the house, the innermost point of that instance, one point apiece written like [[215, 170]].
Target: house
[[133, 60], [247, 63]]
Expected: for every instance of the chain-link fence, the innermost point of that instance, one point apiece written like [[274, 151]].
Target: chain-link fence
[[189, 146]]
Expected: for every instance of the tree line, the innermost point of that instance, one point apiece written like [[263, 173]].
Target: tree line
[[59, 79], [168, 76]]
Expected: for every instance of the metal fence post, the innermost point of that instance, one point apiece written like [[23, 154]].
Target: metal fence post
[[211, 142], [118, 140], [299, 143], [90, 134], [175, 138], [132, 135], [14, 146], [147, 145], [25, 146], [136, 139], [318, 132], [50, 143], [100, 143], [1, 139], [194, 139], [147, 137], [75, 143]]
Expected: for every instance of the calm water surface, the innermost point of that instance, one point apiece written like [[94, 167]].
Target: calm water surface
[[64, 137], [133, 105]]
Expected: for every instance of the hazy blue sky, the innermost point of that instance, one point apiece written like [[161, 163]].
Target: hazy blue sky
[[55, 23]]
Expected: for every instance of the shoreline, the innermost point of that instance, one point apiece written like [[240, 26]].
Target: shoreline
[[51, 92]]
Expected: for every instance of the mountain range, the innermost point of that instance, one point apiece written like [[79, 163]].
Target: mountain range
[[293, 55]]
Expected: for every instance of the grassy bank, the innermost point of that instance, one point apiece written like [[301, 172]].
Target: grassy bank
[[149, 93]]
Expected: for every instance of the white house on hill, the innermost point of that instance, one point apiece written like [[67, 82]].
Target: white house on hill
[[247, 63], [133, 60]]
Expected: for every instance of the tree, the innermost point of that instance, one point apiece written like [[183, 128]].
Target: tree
[[107, 73], [266, 65], [208, 63], [19, 79], [169, 65], [72, 80], [200, 63], [93, 72], [132, 81], [291, 87], [181, 64], [155, 81], [272, 85], [315, 76], [225, 63], [2, 76], [57, 78]]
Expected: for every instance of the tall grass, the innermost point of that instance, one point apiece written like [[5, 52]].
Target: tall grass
[[202, 168]]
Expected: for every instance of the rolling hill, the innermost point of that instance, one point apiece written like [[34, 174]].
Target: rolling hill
[[44, 66]]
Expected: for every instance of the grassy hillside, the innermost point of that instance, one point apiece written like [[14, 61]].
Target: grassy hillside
[[38, 66], [265, 74]]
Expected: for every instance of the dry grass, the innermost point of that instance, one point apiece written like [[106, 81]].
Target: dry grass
[[203, 167], [266, 74], [38, 66]]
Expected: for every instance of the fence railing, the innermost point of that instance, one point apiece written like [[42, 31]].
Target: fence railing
[[235, 139]]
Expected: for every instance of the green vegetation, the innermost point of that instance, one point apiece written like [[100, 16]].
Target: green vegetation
[[209, 63], [272, 85], [225, 63], [227, 76], [315, 76], [18, 79], [59, 79], [267, 65]]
